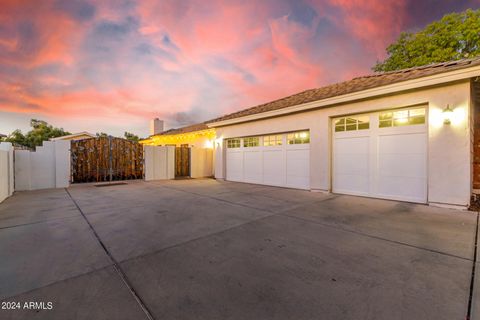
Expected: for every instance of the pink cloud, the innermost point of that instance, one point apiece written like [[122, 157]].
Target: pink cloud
[[130, 61], [375, 22]]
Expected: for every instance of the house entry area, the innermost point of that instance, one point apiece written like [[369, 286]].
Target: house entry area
[[381, 155], [106, 159], [277, 160], [182, 161]]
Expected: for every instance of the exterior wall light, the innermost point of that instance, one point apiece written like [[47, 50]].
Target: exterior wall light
[[209, 144], [447, 115]]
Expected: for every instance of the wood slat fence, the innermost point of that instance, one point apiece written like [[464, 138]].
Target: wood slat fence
[[182, 161], [106, 159]]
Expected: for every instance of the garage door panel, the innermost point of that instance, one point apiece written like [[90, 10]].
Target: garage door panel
[[276, 160], [388, 162], [352, 164], [351, 183], [395, 188], [402, 143], [354, 145], [298, 168], [274, 167], [235, 166], [298, 182], [298, 162], [252, 166], [406, 165]]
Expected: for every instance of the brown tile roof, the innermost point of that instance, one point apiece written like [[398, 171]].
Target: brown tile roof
[[186, 129], [354, 85]]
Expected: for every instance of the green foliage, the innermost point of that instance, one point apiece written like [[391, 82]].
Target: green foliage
[[455, 36], [102, 135], [41, 131], [131, 136], [16, 137]]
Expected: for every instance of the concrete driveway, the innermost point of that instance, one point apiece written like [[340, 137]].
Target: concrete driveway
[[204, 249]]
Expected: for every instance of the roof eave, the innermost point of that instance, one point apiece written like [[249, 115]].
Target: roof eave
[[422, 82], [167, 136]]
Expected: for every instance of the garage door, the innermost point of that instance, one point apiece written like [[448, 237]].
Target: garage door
[[382, 155], [276, 160]]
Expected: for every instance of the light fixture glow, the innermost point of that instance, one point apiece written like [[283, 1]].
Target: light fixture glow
[[181, 138], [303, 135], [209, 144], [447, 115]]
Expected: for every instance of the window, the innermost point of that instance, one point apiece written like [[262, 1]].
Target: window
[[352, 123], [251, 142], [298, 137], [233, 143], [405, 117], [275, 140]]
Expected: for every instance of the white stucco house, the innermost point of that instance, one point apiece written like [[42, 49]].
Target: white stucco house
[[406, 135]]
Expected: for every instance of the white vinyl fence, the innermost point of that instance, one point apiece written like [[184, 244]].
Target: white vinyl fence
[[47, 167], [6, 170], [159, 162]]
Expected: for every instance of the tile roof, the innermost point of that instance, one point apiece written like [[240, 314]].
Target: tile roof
[[186, 129], [354, 85]]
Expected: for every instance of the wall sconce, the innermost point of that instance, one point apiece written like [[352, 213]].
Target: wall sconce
[[447, 114]]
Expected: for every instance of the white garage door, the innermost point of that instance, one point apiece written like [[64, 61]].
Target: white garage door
[[275, 160], [382, 155]]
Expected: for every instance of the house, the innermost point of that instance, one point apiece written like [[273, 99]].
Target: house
[[410, 135], [189, 151], [76, 136], [405, 135]]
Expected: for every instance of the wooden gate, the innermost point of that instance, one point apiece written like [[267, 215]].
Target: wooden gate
[[106, 159], [182, 161]]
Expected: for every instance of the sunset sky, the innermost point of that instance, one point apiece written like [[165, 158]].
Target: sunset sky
[[113, 65]]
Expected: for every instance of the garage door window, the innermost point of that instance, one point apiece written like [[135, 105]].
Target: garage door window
[[275, 140], [400, 118], [352, 123], [233, 143], [298, 137], [251, 142]]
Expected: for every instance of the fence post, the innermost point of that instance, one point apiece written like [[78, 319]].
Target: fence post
[[110, 160]]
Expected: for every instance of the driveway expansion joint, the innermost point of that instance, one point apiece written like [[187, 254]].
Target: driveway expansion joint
[[196, 239], [252, 207], [220, 199], [38, 222], [55, 282], [377, 237], [116, 265], [472, 279]]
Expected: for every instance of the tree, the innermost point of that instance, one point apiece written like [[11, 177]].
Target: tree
[[131, 136], [101, 135], [455, 36], [16, 137], [41, 131]]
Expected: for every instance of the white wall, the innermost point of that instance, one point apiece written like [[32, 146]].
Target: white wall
[[449, 174], [6, 170], [201, 162], [47, 167], [159, 162]]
